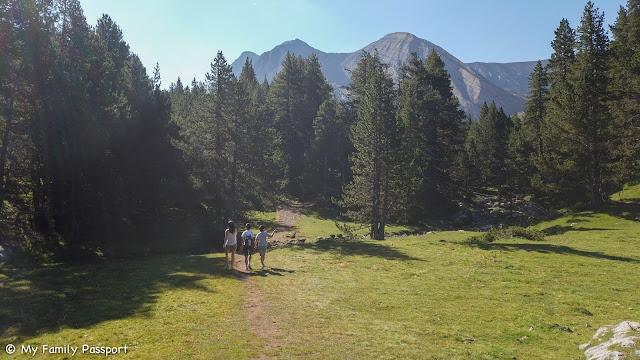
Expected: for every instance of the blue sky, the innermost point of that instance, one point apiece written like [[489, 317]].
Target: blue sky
[[184, 36]]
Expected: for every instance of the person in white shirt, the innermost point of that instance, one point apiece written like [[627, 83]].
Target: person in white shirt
[[230, 243], [248, 246], [261, 240]]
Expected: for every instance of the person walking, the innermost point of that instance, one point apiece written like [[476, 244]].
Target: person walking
[[230, 243], [247, 246], [261, 242]]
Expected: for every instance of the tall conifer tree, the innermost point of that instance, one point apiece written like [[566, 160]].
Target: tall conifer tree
[[373, 194]]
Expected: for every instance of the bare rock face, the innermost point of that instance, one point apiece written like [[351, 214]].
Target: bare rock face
[[487, 212], [610, 341], [473, 84]]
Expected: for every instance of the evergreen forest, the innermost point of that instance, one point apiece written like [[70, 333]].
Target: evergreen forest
[[99, 159]]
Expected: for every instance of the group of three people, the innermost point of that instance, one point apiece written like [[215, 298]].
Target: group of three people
[[249, 244]]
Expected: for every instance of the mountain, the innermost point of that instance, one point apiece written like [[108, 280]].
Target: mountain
[[510, 76], [473, 84]]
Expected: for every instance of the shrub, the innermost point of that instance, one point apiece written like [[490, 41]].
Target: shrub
[[508, 232]]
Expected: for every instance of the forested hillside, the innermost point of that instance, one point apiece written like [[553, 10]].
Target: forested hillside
[[98, 159]]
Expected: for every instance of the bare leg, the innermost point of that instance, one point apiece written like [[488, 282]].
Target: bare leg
[[226, 255], [233, 255]]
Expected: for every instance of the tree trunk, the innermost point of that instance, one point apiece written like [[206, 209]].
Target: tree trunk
[[5, 149], [325, 177], [385, 206]]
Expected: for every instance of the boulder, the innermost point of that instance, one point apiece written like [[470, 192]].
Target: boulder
[[5, 254]]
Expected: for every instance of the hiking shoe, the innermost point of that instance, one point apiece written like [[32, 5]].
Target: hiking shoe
[[262, 267]]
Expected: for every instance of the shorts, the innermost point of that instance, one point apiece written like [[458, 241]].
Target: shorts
[[262, 250], [247, 250], [231, 246]]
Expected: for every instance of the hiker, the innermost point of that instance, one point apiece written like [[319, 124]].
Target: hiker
[[261, 242], [247, 246], [230, 243]]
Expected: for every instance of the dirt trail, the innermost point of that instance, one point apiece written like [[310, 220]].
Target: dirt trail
[[287, 215], [255, 306]]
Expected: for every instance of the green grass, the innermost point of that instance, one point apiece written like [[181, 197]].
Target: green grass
[[161, 308], [437, 297], [433, 296], [257, 218], [315, 224]]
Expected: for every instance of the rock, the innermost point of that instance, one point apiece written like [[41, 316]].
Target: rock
[[627, 343], [463, 216], [566, 328], [534, 210], [626, 334], [5, 255], [523, 338]]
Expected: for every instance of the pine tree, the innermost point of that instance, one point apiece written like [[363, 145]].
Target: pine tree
[[449, 137], [579, 123], [625, 89], [493, 129], [536, 107], [287, 99], [372, 195], [556, 165], [590, 116]]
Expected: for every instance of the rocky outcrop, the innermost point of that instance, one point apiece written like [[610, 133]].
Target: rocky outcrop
[[486, 212], [614, 342], [469, 84]]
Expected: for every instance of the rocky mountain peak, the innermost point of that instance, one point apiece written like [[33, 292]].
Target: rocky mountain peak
[[473, 84]]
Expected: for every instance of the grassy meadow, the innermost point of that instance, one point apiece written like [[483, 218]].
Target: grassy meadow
[[432, 296]]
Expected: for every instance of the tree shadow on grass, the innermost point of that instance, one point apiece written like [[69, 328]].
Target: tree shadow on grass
[[627, 209], [555, 249], [355, 247], [558, 229], [78, 296]]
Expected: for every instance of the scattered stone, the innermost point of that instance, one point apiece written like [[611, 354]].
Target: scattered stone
[[486, 211], [523, 338], [587, 325], [619, 336], [531, 328], [566, 328]]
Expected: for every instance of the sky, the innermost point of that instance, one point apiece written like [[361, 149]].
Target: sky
[[184, 36]]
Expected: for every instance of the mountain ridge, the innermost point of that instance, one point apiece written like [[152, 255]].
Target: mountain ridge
[[473, 83]]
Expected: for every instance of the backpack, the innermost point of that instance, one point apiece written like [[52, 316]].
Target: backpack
[[247, 240]]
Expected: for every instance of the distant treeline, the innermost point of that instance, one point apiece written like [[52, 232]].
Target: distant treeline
[[97, 158]]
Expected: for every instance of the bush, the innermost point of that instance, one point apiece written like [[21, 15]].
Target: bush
[[509, 232]]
